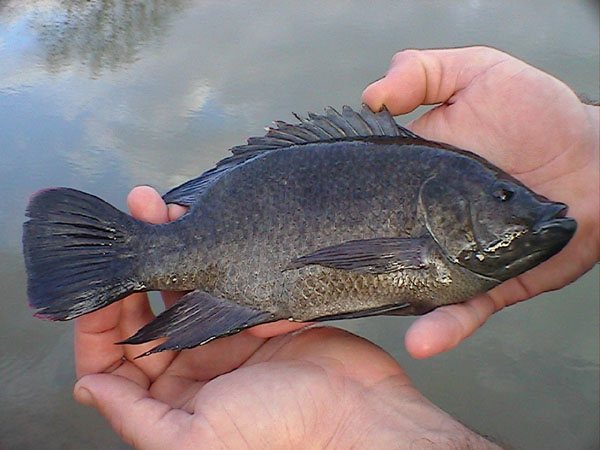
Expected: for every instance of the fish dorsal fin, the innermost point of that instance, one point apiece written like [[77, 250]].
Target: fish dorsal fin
[[331, 126]]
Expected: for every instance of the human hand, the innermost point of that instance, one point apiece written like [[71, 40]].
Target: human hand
[[526, 122], [321, 387]]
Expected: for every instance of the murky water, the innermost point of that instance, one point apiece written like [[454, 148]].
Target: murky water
[[103, 95]]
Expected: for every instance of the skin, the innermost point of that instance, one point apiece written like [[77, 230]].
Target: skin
[[322, 387]]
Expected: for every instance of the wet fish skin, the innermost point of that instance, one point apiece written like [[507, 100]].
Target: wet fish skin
[[253, 249], [374, 220]]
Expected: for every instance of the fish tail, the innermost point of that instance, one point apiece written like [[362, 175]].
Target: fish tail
[[80, 253]]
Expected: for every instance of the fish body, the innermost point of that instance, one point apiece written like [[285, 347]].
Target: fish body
[[340, 216], [318, 195]]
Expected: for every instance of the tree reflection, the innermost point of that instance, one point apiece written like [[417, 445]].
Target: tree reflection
[[99, 34]]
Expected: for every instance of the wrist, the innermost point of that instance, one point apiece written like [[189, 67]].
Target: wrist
[[593, 142], [400, 418]]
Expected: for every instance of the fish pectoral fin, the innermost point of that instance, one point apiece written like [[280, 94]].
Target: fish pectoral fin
[[196, 319], [391, 310], [379, 255]]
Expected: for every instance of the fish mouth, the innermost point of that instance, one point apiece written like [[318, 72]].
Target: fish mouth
[[555, 221], [548, 237], [565, 225], [555, 216]]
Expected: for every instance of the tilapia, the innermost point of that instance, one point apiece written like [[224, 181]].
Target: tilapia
[[337, 216]]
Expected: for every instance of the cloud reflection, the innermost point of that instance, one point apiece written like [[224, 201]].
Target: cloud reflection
[[167, 93], [101, 35]]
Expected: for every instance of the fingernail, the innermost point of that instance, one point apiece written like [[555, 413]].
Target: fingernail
[[372, 83], [84, 395], [378, 79]]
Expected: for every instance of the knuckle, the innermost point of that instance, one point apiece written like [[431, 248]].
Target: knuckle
[[405, 54]]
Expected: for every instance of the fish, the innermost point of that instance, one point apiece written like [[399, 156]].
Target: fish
[[338, 216]]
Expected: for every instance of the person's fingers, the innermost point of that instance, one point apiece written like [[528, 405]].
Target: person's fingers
[[170, 297], [176, 211], [195, 367], [425, 77], [132, 412], [268, 330], [95, 335], [445, 327], [135, 315], [147, 205]]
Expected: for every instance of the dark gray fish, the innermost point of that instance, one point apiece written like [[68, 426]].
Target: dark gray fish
[[339, 216]]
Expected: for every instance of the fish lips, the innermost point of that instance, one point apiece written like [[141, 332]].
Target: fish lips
[[552, 235], [555, 221], [547, 237]]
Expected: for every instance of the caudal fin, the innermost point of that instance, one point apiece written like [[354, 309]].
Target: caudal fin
[[79, 253]]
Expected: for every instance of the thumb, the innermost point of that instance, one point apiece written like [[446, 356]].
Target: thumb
[[131, 411], [426, 77]]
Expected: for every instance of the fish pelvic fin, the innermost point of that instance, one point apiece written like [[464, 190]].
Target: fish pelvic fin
[[196, 319], [79, 253]]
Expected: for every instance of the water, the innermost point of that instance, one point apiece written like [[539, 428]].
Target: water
[[102, 96]]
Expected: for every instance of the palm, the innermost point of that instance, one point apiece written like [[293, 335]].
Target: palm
[[290, 391], [282, 383], [526, 122]]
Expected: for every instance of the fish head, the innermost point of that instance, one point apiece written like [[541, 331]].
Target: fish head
[[493, 225]]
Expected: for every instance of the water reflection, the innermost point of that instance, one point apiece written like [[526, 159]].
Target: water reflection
[[102, 95], [227, 70], [101, 34]]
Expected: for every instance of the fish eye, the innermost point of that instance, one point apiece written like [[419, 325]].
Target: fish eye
[[503, 194]]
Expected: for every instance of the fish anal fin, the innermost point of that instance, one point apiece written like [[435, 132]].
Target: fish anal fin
[[197, 318], [379, 255]]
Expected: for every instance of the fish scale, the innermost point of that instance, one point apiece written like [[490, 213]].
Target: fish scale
[[338, 216]]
